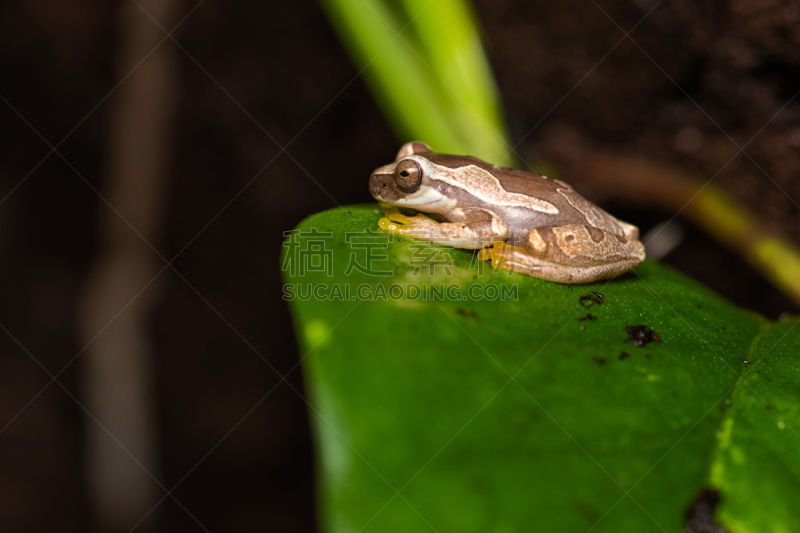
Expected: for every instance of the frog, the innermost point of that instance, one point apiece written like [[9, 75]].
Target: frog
[[516, 220]]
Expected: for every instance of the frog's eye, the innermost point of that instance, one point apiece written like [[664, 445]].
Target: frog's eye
[[408, 175]]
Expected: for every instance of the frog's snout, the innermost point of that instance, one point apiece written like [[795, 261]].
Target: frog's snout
[[375, 186], [381, 184]]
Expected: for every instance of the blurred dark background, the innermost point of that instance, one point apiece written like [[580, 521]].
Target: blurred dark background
[[243, 80]]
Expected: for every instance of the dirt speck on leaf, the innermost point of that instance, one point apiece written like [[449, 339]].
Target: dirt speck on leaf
[[641, 335], [598, 360], [586, 510], [469, 313], [589, 317], [623, 356], [588, 300], [700, 515]]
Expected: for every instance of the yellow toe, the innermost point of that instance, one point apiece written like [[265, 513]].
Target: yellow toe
[[499, 255], [388, 225]]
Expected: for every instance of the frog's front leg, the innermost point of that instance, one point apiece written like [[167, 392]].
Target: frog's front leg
[[569, 254], [471, 229]]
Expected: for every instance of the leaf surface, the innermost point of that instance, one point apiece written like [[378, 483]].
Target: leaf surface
[[514, 404]]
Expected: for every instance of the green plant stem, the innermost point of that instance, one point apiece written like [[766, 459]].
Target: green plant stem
[[427, 69]]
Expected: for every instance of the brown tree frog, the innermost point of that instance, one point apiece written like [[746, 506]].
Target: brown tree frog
[[520, 221]]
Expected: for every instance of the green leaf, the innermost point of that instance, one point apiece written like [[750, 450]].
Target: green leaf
[[509, 413], [426, 67]]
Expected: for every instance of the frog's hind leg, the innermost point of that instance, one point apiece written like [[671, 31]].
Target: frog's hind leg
[[569, 254]]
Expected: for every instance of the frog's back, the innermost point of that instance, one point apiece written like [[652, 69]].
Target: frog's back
[[526, 200]]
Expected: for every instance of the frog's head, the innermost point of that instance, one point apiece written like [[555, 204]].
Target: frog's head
[[407, 182]]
